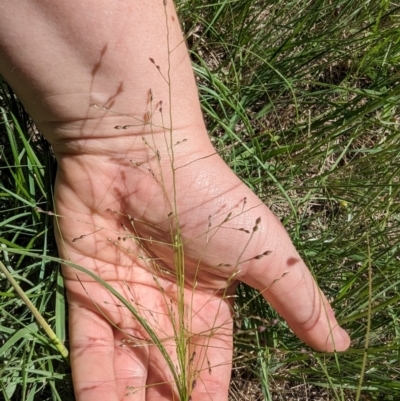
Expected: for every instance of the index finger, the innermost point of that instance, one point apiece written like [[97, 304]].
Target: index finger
[[286, 282]]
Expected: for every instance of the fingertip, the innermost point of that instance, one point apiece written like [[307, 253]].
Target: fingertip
[[321, 331], [336, 338], [345, 339], [339, 340]]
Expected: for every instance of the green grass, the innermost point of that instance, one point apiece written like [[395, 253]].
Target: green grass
[[302, 101], [30, 364]]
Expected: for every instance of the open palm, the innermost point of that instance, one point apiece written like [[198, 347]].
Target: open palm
[[120, 223]]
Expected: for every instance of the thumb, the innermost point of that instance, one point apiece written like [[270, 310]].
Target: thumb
[[287, 284]]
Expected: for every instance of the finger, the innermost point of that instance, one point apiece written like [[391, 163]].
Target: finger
[[211, 366], [100, 372], [161, 381], [285, 281], [92, 355], [205, 346], [130, 365], [206, 375], [211, 350]]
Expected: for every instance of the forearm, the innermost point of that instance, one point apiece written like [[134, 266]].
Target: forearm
[[60, 57]]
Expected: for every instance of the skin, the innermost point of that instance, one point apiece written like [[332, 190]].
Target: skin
[[61, 57]]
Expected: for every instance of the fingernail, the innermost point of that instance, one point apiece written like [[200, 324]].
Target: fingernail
[[344, 340], [344, 335], [331, 312]]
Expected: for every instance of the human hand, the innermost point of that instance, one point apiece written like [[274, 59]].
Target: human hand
[[189, 198], [101, 195]]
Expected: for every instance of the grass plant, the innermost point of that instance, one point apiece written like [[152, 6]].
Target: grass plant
[[301, 99]]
